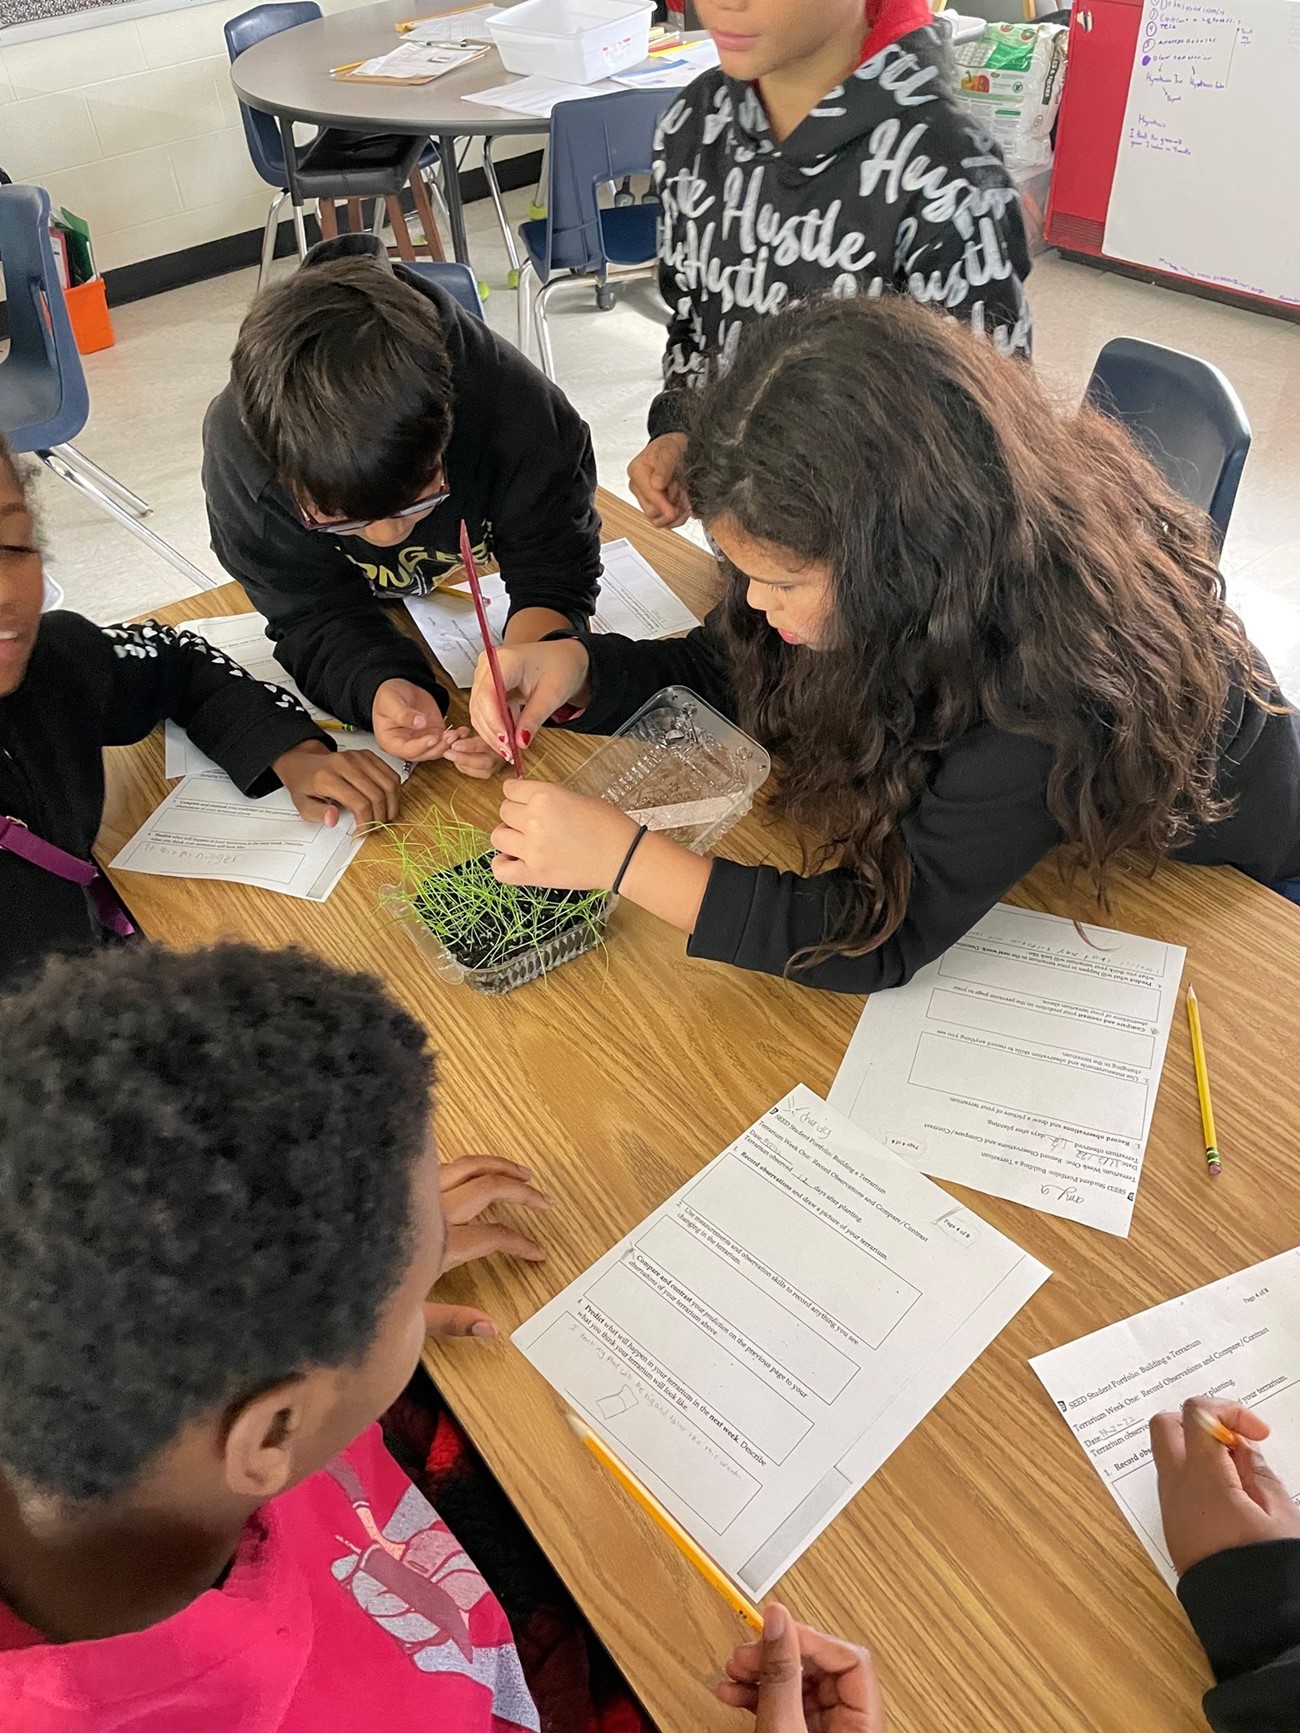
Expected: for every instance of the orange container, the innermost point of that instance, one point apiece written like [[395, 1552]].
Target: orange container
[[88, 311]]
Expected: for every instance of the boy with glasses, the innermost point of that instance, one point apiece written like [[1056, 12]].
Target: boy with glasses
[[366, 416]]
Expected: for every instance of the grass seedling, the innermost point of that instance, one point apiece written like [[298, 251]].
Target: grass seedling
[[444, 882]]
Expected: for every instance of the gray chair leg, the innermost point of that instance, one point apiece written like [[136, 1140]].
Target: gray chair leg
[[268, 238], [544, 328], [538, 206], [498, 204], [57, 462], [524, 307], [430, 179], [300, 231], [100, 478]]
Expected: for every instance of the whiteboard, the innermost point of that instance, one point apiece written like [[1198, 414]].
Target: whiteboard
[[1206, 183]]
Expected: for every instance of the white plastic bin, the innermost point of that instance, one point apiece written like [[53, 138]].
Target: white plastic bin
[[574, 41]]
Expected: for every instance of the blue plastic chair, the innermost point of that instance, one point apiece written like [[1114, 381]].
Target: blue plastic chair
[[1184, 414], [457, 280], [44, 403], [336, 164], [593, 141]]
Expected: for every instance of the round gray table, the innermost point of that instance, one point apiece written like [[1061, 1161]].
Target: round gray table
[[288, 76]]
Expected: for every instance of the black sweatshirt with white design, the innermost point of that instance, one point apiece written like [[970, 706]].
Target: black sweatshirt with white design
[[886, 185], [978, 825], [522, 477], [88, 687]]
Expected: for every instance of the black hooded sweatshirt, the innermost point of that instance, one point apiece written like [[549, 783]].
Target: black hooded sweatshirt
[[886, 185], [522, 477]]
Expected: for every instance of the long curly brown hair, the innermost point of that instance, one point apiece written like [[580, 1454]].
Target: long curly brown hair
[[991, 560]]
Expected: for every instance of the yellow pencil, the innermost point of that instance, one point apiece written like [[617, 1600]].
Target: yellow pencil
[[1203, 1084], [333, 727], [1216, 1429], [673, 1529]]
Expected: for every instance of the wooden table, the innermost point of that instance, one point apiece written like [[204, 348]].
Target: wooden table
[[985, 1564]]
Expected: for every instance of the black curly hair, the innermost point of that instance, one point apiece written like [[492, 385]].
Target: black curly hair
[[205, 1187]]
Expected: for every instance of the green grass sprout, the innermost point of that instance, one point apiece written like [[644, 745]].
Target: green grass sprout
[[444, 883]]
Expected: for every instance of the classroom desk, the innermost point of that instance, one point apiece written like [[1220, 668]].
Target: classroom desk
[[985, 1563], [288, 76]]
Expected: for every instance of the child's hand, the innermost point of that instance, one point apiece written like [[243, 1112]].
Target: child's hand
[[548, 675], [798, 1681], [407, 722], [654, 476], [470, 755], [1213, 1498], [468, 1187], [551, 837], [324, 783]]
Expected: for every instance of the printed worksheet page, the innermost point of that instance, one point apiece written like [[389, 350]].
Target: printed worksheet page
[[1024, 1062], [758, 1347], [205, 829], [242, 637], [1238, 1339], [634, 600]]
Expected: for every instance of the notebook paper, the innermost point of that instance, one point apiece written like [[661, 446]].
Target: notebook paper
[[758, 1347]]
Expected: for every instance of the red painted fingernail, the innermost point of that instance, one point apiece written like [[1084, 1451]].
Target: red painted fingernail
[[526, 737], [501, 739]]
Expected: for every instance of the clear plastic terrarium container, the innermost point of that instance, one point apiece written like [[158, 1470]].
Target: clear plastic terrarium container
[[678, 767], [557, 940]]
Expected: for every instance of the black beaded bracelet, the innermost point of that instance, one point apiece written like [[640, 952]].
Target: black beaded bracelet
[[627, 860]]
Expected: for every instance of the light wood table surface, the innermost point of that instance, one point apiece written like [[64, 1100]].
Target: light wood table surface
[[985, 1564]]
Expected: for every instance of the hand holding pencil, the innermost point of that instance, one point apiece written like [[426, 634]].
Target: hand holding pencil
[[797, 1680], [790, 1677], [1216, 1495]]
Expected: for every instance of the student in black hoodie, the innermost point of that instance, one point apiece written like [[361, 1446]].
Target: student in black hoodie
[[826, 155], [1233, 1533], [969, 628], [367, 415], [69, 688]]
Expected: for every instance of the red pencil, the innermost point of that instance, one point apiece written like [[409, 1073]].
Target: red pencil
[[503, 702]]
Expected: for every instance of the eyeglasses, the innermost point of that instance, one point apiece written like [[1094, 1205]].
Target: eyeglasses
[[354, 526]]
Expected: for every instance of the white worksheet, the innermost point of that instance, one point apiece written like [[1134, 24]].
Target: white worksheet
[[538, 96], [758, 1347], [205, 829], [242, 637], [181, 757], [466, 25], [1238, 1339], [415, 58], [1023, 1062], [634, 600]]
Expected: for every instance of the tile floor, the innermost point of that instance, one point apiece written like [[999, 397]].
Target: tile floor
[[148, 395]]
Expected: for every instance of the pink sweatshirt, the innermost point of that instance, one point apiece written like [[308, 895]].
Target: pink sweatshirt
[[349, 1608]]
